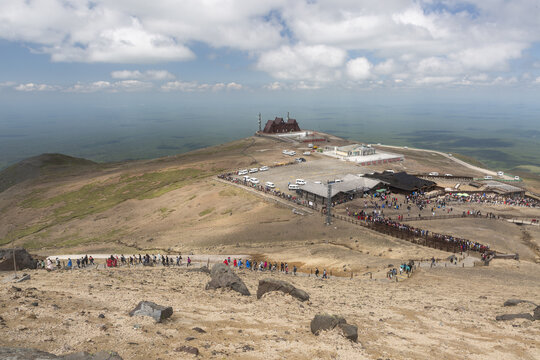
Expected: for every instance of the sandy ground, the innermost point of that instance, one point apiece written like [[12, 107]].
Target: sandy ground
[[434, 314]]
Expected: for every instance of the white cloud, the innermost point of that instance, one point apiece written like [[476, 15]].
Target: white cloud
[[293, 41], [537, 80], [193, 86], [147, 75], [118, 86], [126, 74], [300, 62], [276, 85], [359, 68], [35, 87]]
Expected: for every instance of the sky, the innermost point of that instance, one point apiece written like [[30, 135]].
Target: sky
[[78, 62], [166, 46]]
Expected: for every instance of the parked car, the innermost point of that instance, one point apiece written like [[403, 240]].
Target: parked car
[[270, 185], [246, 178], [488, 177], [242, 172], [253, 170], [433, 173], [448, 175], [254, 180], [338, 180], [300, 182], [264, 168], [293, 187], [389, 171], [306, 153], [317, 182], [516, 178], [500, 173]]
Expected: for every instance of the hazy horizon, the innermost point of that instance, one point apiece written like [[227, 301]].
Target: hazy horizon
[[110, 80]]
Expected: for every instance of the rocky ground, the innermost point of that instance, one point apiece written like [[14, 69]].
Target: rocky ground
[[444, 313]]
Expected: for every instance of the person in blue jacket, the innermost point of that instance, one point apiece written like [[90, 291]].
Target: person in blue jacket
[[69, 264]]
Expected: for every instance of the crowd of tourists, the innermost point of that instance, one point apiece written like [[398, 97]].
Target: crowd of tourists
[[376, 218]]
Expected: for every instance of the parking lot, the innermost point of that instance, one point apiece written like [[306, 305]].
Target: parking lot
[[316, 168]]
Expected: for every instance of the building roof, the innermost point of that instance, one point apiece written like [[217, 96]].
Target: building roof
[[350, 183], [403, 181], [352, 147]]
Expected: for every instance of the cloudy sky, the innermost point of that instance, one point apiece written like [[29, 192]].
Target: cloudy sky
[[267, 46]]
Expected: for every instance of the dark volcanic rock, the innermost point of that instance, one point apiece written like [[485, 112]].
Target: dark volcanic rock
[[267, 285], [148, 308], [536, 313], [325, 322], [506, 317], [22, 278], [514, 302], [188, 349], [199, 330], [22, 258], [224, 277], [34, 354], [202, 269], [349, 331]]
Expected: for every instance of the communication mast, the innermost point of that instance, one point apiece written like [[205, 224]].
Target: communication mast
[[329, 205]]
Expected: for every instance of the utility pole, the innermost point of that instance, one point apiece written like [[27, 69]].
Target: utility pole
[[329, 205], [260, 122], [13, 246]]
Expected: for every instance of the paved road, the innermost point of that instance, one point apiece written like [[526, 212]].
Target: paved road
[[461, 162]]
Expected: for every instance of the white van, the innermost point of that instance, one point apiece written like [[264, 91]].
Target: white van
[[388, 171], [433, 173], [242, 172], [488, 177], [500, 173], [300, 182], [516, 178], [270, 185], [293, 187], [253, 170], [254, 181]]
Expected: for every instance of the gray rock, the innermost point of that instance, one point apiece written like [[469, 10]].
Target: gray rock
[[224, 277], [22, 278], [148, 308], [202, 269], [514, 302], [199, 330], [536, 313], [325, 322], [188, 349], [507, 317], [349, 331], [34, 354], [268, 285], [23, 259]]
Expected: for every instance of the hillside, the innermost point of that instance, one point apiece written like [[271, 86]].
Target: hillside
[[41, 165], [175, 204]]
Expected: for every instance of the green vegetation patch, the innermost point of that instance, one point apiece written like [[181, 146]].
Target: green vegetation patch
[[206, 211], [100, 196]]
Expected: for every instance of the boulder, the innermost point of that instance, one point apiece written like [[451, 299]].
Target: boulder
[[267, 285], [349, 331], [22, 258], [325, 322], [224, 277], [536, 313], [188, 349], [202, 269], [24, 277], [514, 302], [148, 308], [33, 354], [507, 317]]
